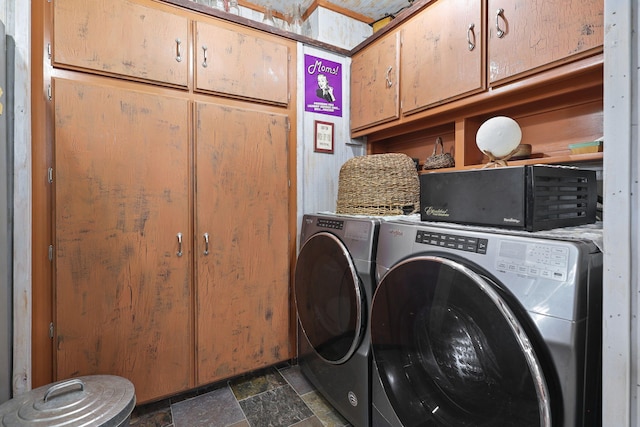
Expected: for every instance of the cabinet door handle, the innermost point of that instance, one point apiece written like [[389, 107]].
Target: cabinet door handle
[[499, 31], [389, 82], [470, 35], [204, 51], [206, 243], [179, 253], [178, 50]]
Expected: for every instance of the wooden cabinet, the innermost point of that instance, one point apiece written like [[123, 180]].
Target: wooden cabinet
[[242, 309], [171, 203], [123, 290], [244, 64], [442, 54], [527, 35], [455, 73], [121, 37], [438, 58], [375, 95]]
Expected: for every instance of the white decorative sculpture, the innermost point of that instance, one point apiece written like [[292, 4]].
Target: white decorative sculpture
[[498, 138]]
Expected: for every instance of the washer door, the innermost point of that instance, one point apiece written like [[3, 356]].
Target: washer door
[[450, 352], [329, 298]]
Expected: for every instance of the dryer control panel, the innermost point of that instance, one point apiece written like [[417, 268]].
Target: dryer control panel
[[533, 259], [334, 224]]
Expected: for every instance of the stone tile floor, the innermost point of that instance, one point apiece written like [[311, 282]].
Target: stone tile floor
[[273, 397]]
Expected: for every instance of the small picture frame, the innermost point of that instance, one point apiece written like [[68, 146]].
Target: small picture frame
[[323, 139]]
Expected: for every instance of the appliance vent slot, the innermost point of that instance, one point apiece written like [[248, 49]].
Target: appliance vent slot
[[562, 197]]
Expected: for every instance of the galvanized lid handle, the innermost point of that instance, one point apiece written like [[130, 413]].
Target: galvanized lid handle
[[63, 385]]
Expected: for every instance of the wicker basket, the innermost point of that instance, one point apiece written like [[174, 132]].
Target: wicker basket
[[441, 160], [379, 184]]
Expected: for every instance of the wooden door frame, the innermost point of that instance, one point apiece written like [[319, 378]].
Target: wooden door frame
[[42, 367]]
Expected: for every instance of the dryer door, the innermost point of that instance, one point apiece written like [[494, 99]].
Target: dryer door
[[450, 352], [329, 298]]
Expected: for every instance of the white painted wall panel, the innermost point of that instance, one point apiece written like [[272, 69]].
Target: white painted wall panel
[[621, 334], [339, 30], [318, 173], [16, 15], [6, 300]]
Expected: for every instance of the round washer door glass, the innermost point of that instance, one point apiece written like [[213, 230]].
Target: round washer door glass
[[329, 298], [450, 352]]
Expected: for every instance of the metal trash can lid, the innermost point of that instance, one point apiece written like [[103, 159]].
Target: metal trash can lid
[[95, 400]]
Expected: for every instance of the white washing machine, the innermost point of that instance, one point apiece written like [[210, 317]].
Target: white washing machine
[[334, 283], [476, 327]]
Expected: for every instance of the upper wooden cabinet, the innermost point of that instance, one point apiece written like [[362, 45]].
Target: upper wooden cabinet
[[441, 54], [121, 37], [527, 35], [465, 61], [241, 63], [374, 83], [454, 49]]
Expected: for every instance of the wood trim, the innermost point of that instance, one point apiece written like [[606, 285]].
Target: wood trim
[[407, 13], [42, 368], [189, 6], [335, 8], [293, 193], [548, 103], [258, 8], [570, 78]]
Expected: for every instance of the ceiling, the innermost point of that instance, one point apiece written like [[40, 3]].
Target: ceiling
[[374, 9]]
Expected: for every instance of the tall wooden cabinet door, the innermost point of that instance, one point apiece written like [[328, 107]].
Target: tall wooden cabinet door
[[243, 303], [241, 63], [374, 83], [121, 37], [122, 278], [441, 55], [528, 34]]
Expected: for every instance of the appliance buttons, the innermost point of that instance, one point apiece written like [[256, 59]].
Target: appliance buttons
[[330, 223], [452, 241]]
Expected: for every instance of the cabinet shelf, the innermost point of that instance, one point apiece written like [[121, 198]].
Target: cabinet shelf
[[555, 108], [564, 159]]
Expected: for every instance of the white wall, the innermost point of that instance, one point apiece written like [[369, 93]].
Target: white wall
[[621, 337], [6, 300], [318, 172], [16, 15], [336, 29]]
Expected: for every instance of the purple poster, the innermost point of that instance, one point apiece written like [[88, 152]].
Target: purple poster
[[323, 86]]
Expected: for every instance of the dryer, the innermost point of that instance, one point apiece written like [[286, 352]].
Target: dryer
[[476, 327], [334, 283]]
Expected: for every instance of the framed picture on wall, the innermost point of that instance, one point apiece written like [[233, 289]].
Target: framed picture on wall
[[322, 86], [323, 139]]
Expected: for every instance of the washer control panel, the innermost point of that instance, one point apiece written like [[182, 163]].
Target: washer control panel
[[452, 241], [334, 224], [533, 259]]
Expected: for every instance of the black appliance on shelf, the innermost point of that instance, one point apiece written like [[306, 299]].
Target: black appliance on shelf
[[531, 197]]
